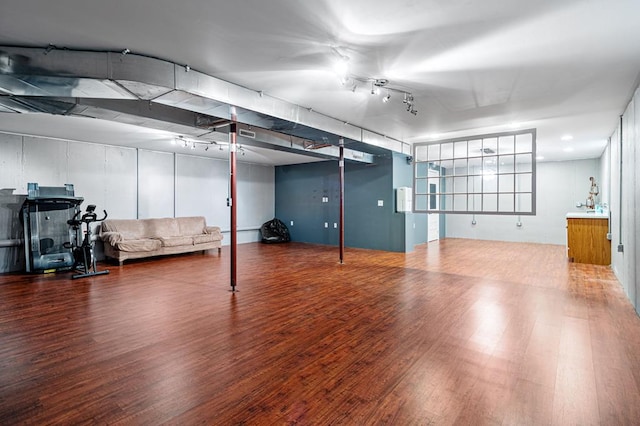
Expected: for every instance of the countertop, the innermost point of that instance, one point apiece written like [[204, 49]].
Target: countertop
[[587, 215]]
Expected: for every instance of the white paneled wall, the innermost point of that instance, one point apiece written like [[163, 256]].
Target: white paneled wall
[[560, 185], [11, 162], [201, 188], [255, 188], [605, 176], [634, 238], [128, 183], [121, 191], [625, 192], [156, 184]]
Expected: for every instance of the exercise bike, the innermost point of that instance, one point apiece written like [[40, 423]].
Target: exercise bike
[[84, 258]]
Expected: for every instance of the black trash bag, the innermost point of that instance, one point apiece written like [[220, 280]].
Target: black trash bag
[[274, 231]]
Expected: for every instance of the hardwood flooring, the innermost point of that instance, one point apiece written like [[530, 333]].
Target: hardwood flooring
[[457, 332]]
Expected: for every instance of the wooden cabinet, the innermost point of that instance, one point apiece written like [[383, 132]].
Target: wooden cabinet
[[587, 240]]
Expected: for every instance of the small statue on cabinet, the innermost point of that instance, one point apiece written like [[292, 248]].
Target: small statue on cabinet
[[593, 193]]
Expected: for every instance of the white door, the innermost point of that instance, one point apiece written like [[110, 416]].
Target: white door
[[433, 232]]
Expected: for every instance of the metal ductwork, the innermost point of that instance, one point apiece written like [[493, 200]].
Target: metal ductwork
[[201, 126], [155, 93]]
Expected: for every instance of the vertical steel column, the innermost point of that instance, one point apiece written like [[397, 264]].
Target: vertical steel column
[[231, 201], [341, 162]]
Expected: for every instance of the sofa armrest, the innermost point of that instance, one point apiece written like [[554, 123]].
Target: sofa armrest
[[213, 230], [112, 237]]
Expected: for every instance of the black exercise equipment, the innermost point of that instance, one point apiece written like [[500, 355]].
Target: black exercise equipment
[[44, 216], [84, 258]]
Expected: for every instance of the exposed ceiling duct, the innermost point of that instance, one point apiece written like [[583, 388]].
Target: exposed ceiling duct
[[151, 92]]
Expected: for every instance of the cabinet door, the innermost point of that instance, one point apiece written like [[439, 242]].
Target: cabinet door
[[587, 241]]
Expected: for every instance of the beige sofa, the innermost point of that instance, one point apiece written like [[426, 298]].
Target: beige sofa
[[137, 238]]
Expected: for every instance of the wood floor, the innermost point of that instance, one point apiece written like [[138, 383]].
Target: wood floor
[[457, 332]]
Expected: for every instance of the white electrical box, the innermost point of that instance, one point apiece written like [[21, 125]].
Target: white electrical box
[[404, 199]]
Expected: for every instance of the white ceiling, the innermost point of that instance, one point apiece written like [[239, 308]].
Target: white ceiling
[[561, 66]]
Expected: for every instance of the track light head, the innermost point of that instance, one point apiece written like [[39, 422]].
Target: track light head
[[386, 98]]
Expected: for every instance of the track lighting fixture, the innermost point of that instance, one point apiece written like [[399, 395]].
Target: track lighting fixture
[[194, 144], [180, 140], [408, 100], [341, 68]]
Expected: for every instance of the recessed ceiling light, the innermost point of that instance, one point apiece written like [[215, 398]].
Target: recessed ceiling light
[[568, 149], [567, 138]]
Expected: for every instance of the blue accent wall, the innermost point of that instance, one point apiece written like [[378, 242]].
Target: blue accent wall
[[300, 190]]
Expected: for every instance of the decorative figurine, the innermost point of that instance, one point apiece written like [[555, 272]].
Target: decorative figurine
[[593, 193]]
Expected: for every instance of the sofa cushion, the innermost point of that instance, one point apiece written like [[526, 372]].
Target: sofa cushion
[[176, 241], [128, 228], [111, 237], [162, 227], [145, 244], [205, 238], [215, 231], [191, 225]]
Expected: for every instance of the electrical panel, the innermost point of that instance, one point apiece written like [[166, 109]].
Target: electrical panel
[[404, 199]]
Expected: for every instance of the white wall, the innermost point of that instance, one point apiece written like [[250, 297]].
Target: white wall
[[560, 185], [624, 196], [605, 176], [128, 184]]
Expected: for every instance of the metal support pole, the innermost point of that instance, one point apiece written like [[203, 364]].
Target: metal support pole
[[341, 162], [231, 201]]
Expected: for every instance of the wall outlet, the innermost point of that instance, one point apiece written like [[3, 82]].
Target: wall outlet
[[291, 223], [325, 199], [380, 203], [335, 225], [620, 248], [326, 224]]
